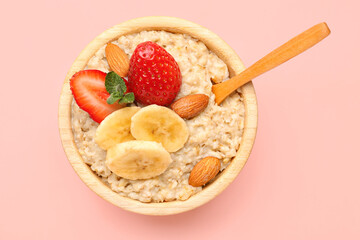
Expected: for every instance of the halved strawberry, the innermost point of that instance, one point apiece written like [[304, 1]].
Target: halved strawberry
[[88, 88]]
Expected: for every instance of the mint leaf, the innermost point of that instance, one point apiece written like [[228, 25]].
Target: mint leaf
[[114, 83], [113, 98], [123, 87], [116, 86], [128, 98]]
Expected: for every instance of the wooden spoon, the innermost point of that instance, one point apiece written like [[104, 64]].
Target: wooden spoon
[[292, 48]]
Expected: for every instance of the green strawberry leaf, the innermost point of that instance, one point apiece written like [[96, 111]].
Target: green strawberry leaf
[[128, 98]]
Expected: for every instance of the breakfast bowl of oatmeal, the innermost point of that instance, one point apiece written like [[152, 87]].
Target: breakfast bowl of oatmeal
[[139, 123]]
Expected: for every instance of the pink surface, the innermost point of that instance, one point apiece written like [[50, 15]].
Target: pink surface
[[301, 181]]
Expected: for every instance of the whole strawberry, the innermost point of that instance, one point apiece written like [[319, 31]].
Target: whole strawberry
[[154, 76]]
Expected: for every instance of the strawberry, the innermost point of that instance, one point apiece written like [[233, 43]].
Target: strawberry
[[88, 88], [154, 75]]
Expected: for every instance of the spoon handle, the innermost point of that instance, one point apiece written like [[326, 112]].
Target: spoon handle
[[290, 49]]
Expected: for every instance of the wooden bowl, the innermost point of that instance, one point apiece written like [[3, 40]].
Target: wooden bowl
[[235, 66]]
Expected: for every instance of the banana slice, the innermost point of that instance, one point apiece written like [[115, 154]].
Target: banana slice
[[115, 128], [160, 124], [138, 159]]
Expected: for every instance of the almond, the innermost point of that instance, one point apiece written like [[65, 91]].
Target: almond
[[204, 171], [190, 106], [118, 60]]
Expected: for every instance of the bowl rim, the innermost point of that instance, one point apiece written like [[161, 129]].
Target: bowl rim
[[216, 45]]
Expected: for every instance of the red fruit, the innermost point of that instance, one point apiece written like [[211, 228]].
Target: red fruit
[[88, 88], [154, 76]]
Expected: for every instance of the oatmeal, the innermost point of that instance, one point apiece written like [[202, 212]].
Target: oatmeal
[[215, 132]]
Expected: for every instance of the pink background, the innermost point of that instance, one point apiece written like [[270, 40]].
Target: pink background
[[302, 180]]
